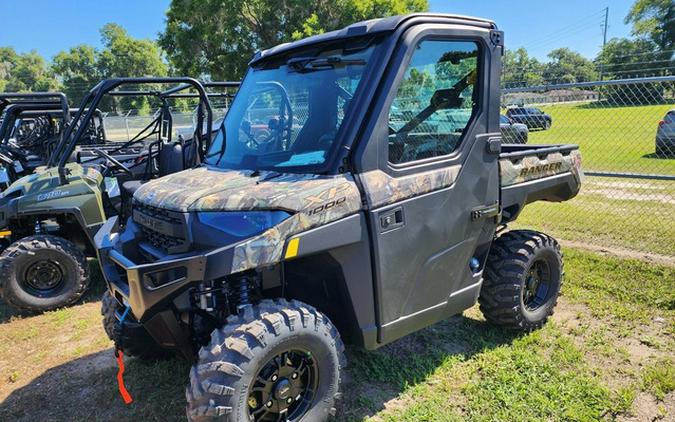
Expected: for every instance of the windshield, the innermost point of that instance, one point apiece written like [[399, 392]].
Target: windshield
[[287, 115]]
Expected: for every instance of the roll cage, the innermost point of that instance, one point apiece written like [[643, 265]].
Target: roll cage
[[160, 125]]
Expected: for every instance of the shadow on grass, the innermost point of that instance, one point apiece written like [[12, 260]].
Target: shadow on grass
[[656, 156], [618, 103], [86, 389], [93, 294], [376, 378]]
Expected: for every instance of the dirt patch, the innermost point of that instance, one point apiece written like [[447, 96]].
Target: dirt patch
[[647, 408], [631, 196], [621, 252]]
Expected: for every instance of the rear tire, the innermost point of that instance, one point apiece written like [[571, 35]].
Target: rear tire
[[132, 338], [42, 272], [276, 354], [522, 280]]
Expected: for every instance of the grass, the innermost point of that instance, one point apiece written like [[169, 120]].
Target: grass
[[611, 139], [606, 354], [613, 213], [633, 214]]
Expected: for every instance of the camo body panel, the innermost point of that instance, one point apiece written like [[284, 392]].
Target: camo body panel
[[313, 200], [533, 167], [382, 189]]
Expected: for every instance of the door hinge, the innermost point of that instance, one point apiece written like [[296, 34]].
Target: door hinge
[[497, 38]]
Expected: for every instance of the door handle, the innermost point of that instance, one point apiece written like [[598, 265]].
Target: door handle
[[485, 211], [391, 219]]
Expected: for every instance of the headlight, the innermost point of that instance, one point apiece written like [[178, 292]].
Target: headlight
[[243, 224]]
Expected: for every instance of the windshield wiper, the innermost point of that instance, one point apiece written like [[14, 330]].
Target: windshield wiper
[[312, 64]]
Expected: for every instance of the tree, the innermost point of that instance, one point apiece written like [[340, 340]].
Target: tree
[[567, 66], [654, 19], [83, 66], [124, 55], [25, 72], [520, 69], [219, 37], [78, 69], [623, 58]]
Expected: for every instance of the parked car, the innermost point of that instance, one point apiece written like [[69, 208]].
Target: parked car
[[665, 135], [530, 116], [512, 132]]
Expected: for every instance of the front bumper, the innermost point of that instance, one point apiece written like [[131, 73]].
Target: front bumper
[[136, 284]]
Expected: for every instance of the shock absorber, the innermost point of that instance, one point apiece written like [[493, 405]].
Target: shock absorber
[[243, 294]]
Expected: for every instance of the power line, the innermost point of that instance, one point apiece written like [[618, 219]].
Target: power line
[[645, 53], [562, 37], [582, 24]]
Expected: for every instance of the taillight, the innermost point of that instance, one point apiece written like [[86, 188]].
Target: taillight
[[662, 122]]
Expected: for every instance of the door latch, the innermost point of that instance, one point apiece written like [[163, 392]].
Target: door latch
[[391, 219]]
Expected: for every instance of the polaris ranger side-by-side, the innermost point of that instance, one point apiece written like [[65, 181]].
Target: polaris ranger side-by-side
[[358, 189], [48, 219], [29, 124]]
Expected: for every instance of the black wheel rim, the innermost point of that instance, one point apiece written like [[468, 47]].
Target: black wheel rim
[[537, 285], [43, 277], [285, 387]]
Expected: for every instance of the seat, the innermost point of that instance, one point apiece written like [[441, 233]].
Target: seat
[[131, 186], [170, 160]]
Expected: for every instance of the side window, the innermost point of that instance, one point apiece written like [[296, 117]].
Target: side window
[[435, 101]]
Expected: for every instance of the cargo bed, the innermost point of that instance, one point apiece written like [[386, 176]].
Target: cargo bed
[[531, 173]]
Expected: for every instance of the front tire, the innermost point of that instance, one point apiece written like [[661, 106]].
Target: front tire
[[131, 337], [276, 358], [522, 280], [42, 272]]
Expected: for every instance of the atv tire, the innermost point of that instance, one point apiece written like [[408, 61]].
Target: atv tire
[[522, 280], [263, 361], [42, 272], [131, 337]]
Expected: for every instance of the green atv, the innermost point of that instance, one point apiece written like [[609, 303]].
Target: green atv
[[48, 219], [344, 198], [31, 125]]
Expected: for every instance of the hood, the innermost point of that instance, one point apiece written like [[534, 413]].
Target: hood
[[48, 178], [212, 189]]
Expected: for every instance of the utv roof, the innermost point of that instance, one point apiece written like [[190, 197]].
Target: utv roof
[[373, 26]]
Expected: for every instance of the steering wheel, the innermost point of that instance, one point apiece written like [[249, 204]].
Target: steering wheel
[[116, 163]]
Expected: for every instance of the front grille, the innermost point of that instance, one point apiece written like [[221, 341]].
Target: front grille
[[163, 229]]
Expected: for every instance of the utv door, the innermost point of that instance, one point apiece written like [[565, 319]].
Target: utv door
[[433, 196]]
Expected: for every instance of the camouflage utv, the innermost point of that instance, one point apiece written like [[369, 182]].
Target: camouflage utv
[[344, 198]]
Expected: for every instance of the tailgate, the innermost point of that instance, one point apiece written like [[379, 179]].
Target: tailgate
[[531, 173]]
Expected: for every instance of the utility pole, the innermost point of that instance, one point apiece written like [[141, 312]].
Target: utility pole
[[604, 39], [604, 32]]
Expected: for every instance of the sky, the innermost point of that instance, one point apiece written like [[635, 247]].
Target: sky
[[538, 25]]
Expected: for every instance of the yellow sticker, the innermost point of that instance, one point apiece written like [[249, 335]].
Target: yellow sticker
[[5, 233], [292, 248]]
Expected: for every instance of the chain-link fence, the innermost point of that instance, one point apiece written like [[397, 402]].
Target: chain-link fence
[[626, 133], [123, 127]]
